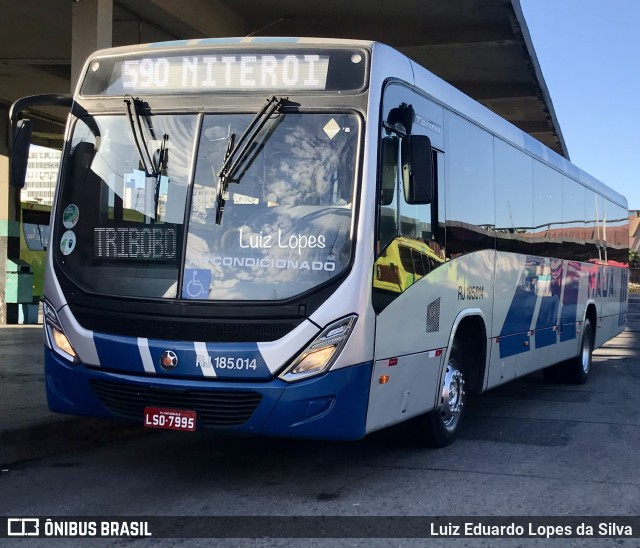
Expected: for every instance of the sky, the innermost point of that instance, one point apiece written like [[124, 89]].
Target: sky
[[589, 53]]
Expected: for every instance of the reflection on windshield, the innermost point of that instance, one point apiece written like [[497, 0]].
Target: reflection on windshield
[[121, 230], [287, 222], [238, 152], [36, 236]]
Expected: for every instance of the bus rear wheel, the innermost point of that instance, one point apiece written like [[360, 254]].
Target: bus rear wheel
[[441, 426], [576, 370]]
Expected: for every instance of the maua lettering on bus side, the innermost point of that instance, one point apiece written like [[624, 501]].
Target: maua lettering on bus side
[[601, 284]]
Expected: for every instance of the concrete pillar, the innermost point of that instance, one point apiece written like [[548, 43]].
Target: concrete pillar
[[92, 29], [9, 220], [92, 24]]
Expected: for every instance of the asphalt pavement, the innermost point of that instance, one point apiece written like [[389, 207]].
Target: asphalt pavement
[[28, 430]]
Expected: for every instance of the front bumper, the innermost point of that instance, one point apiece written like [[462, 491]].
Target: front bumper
[[330, 406]]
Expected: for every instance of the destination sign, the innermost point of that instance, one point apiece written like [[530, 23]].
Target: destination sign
[[223, 71], [231, 72], [158, 242]]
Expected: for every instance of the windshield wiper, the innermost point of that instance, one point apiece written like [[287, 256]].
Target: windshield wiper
[[237, 153], [160, 167], [151, 168], [133, 113]]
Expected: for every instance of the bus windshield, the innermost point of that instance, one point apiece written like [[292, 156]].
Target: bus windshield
[[129, 231]]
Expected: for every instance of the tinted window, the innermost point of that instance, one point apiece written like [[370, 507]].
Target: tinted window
[[286, 224], [617, 236], [573, 218], [470, 193], [547, 211], [121, 230], [514, 194]]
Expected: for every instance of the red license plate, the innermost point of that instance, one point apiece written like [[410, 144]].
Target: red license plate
[[170, 419]]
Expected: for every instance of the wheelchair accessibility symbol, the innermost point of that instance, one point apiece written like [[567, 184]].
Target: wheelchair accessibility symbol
[[196, 283]]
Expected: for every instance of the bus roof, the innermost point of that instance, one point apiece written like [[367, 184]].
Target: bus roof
[[434, 86], [456, 100], [233, 41]]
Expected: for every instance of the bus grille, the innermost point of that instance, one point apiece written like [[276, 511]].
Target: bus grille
[[181, 329], [214, 409]]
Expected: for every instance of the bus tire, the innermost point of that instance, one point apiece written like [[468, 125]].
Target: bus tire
[[577, 369], [574, 370], [441, 426]]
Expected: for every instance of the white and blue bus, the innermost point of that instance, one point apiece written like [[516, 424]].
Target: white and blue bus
[[312, 238]]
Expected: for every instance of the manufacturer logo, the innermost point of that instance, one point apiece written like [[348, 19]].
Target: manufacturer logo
[[168, 360], [428, 124], [23, 527]]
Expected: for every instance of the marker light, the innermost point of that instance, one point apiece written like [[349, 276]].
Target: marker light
[[55, 337], [318, 356]]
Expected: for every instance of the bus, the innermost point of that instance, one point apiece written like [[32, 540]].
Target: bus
[[34, 241], [312, 238]]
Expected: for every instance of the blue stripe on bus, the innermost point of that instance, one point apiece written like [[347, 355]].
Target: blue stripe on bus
[[116, 352], [245, 357], [512, 345], [515, 330], [123, 354], [570, 302], [547, 319], [546, 335]]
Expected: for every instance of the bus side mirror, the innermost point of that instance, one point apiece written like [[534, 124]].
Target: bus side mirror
[[20, 153], [19, 148], [388, 171], [417, 169]]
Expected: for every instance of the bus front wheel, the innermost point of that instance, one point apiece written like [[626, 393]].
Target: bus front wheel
[[441, 426]]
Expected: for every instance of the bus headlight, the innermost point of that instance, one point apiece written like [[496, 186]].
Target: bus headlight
[[318, 356], [55, 337]]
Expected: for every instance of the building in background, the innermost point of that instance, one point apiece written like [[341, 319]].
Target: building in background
[[42, 171], [634, 230]]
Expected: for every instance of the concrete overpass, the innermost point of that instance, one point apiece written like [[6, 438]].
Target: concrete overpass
[[482, 47]]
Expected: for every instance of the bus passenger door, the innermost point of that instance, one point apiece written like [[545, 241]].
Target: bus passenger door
[[409, 332]]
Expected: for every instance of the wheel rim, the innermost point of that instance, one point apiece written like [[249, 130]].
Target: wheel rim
[[585, 354], [452, 397]]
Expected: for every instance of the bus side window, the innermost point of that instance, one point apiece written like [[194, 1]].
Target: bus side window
[[80, 171], [388, 228], [81, 159], [416, 218], [416, 221], [389, 169]]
